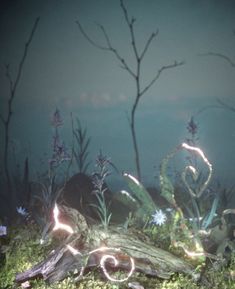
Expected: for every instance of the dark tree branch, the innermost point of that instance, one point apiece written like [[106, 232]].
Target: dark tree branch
[[225, 105], [225, 57], [8, 76], [135, 74], [13, 87], [175, 64], [89, 39], [130, 24], [109, 47], [113, 50], [151, 37]]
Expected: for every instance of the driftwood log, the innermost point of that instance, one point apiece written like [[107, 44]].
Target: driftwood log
[[121, 244]]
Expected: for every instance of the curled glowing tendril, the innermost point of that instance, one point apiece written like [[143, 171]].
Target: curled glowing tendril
[[168, 192], [103, 259], [194, 171]]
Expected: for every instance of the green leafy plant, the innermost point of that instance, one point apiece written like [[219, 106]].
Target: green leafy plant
[[98, 179], [182, 233], [142, 199], [80, 151], [49, 189]]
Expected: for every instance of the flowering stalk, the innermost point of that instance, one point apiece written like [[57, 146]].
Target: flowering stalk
[[99, 177]]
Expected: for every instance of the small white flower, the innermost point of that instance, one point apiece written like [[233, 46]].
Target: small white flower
[[159, 218], [22, 211], [3, 230]]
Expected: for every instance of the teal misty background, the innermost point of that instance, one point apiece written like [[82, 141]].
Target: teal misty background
[[64, 71]]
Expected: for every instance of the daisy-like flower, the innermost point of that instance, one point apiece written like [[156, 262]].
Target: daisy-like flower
[[3, 230], [22, 211], [159, 217]]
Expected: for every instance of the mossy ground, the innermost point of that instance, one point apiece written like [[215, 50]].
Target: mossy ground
[[23, 250]]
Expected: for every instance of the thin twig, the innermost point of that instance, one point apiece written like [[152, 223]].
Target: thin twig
[[151, 37], [225, 57], [130, 24], [175, 64], [13, 87], [225, 105], [108, 47]]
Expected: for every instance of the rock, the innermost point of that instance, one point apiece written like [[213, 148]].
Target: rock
[[78, 193]]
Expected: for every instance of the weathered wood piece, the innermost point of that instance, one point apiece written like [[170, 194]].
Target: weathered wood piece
[[148, 259]]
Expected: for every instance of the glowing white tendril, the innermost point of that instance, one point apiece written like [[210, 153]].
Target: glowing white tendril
[[106, 257], [76, 252], [102, 264], [103, 259], [59, 225], [194, 171]]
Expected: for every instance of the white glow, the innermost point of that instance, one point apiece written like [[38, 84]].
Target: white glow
[[194, 171], [125, 193], [194, 254], [102, 264], [132, 178], [103, 259], [197, 150], [58, 225], [74, 251]]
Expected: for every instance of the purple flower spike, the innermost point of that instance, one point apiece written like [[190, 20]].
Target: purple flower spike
[[56, 119], [192, 127]]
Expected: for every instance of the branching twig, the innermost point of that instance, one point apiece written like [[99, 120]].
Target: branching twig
[[225, 57], [135, 73], [13, 87], [225, 105], [175, 64]]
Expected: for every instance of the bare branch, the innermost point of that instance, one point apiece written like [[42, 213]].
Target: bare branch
[[89, 39], [151, 37], [109, 47], [225, 105], [130, 24], [219, 55], [8, 76], [175, 64], [118, 56], [6, 122], [27, 44], [135, 73]]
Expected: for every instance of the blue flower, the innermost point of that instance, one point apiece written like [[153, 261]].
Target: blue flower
[[159, 217], [22, 211], [3, 230]]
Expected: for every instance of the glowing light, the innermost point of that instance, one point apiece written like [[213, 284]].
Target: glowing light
[[74, 251], [194, 171], [125, 193], [132, 178], [102, 264], [196, 149], [58, 225], [193, 254], [106, 257], [103, 259]]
